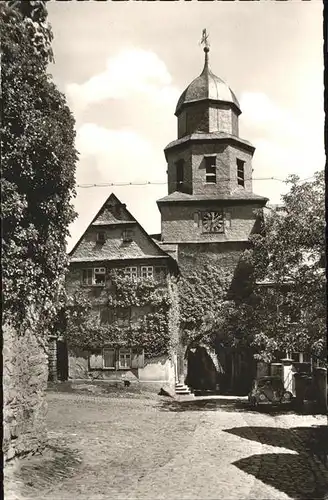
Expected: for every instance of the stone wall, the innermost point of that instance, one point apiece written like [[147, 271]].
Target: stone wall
[[183, 222], [25, 373]]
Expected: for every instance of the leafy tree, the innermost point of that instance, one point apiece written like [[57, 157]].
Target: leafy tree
[[278, 301], [287, 309], [38, 164]]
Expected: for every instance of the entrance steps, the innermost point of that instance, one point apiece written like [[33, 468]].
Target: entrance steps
[[182, 389]]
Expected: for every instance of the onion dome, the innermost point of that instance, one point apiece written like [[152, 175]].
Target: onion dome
[[207, 86]]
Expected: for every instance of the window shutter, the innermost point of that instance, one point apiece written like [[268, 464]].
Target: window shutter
[[95, 361], [109, 357], [138, 358]]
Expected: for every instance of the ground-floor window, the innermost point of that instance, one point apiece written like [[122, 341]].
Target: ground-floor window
[[124, 358], [117, 358]]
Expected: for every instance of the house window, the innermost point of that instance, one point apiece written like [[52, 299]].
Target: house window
[[240, 173], [160, 273], [124, 358], [87, 276], [210, 166], [147, 271], [131, 272], [109, 358], [127, 235], [99, 276], [115, 358], [180, 174], [101, 237], [96, 276]]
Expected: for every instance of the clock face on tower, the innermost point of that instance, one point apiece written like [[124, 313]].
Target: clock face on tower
[[213, 222]]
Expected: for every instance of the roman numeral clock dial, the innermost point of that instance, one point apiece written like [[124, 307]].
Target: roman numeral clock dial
[[213, 222]]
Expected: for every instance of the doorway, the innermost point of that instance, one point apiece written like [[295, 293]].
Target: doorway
[[202, 374], [62, 360]]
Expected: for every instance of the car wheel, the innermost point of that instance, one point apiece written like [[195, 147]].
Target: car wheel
[[287, 397], [253, 402]]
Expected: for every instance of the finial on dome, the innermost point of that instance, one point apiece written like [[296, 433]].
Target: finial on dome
[[204, 41]]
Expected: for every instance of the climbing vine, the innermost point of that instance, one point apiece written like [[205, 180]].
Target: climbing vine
[[211, 296], [149, 316]]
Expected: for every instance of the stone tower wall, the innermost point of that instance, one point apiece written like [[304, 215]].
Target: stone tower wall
[[182, 222], [195, 168]]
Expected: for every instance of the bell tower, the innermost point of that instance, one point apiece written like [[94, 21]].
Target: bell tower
[[209, 167]]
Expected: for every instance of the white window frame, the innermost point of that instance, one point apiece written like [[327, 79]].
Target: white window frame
[[99, 271], [147, 272], [103, 356], [131, 272], [240, 172], [91, 276], [210, 176], [127, 353]]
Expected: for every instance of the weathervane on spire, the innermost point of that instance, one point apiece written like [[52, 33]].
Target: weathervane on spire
[[204, 41]]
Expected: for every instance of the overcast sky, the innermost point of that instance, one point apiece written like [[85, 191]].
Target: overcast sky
[[123, 65]]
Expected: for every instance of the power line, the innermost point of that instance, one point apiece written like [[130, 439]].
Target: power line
[[152, 183]]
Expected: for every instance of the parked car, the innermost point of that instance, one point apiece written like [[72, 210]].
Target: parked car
[[269, 389]]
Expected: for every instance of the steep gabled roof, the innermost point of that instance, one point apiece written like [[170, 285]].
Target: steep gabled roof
[[112, 215]]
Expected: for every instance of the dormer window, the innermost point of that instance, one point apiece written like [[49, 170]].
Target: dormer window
[[240, 173], [127, 235], [210, 166], [180, 174], [101, 237]]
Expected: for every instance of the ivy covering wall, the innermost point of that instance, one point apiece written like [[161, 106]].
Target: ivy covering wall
[[212, 295], [153, 325]]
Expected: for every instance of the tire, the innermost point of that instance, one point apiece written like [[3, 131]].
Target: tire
[[288, 398]]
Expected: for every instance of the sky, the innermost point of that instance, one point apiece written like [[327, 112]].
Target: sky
[[123, 65]]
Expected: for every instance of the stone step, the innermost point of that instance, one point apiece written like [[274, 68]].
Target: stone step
[[182, 389]]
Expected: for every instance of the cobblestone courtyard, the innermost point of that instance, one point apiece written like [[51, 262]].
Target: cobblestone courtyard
[[143, 447]]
